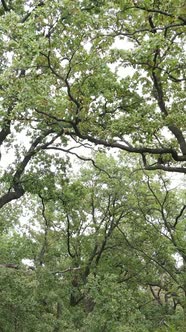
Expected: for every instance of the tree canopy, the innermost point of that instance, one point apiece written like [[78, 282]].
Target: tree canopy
[[96, 246]]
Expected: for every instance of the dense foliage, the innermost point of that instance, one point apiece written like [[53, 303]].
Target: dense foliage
[[96, 246]]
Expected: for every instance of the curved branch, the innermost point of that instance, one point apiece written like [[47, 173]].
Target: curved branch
[[130, 148], [16, 179], [158, 11], [158, 166], [80, 157], [179, 216]]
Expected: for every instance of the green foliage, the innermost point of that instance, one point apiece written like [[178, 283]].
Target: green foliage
[[100, 258], [100, 245]]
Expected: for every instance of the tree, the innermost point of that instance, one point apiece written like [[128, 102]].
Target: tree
[[103, 254], [102, 244], [57, 84]]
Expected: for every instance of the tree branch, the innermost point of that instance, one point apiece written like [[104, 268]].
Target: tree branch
[[24, 19], [16, 183], [151, 258], [158, 11], [158, 166], [5, 6], [5, 131], [179, 216], [10, 266], [81, 158], [131, 149], [68, 237]]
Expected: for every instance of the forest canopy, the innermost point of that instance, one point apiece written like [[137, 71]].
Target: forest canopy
[[92, 125]]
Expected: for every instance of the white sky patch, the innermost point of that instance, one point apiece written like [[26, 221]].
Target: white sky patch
[[121, 70], [28, 262], [178, 259], [18, 141], [87, 45]]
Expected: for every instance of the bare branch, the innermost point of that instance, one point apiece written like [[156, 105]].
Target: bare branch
[[179, 216], [81, 158], [155, 295], [68, 237], [10, 266]]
